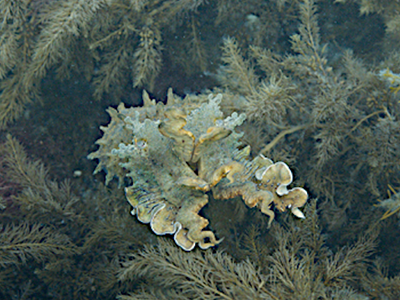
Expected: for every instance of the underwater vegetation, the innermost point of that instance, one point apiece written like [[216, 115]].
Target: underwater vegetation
[[315, 98], [296, 266], [62, 249], [116, 45]]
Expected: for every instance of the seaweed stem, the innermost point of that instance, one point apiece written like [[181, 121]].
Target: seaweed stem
[[281, 135]]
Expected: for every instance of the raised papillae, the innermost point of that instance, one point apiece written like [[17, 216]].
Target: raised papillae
[[177, 154]]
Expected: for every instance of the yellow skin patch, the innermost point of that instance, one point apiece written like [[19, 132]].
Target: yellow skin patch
[[228, 171]]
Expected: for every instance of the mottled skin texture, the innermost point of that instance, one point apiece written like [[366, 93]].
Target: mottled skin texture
[[177, 154]]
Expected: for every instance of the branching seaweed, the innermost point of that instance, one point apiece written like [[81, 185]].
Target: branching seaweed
[[39, 194], [19, 243], [291, 270], [313, 101], [199, 275]]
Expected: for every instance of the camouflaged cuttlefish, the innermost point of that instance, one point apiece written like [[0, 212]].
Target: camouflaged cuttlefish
[[176, 153]]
